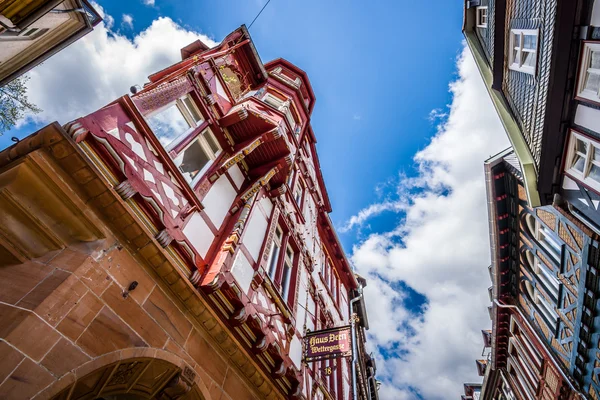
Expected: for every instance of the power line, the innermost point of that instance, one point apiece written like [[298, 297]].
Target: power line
[[258, 15]]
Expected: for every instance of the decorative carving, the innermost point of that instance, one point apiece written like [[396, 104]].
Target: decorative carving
[[163, 238], [189, 375], [260, 183], [175, 389], [123, 373], [76, 130], [162, 95], [125, 190]]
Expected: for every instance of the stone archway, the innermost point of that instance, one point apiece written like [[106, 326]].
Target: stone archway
[[150, 374]]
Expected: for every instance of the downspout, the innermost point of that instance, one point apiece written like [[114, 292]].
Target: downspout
[[354, 347], [372, 378], [526, 321]]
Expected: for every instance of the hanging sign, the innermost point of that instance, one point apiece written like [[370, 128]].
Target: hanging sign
[[328, 343]]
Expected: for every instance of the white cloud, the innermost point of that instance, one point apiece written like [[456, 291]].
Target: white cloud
[[127, 21], [440, 249], [148, 2], [102, 66]]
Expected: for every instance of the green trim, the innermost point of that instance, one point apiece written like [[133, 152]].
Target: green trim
[[510, 125]]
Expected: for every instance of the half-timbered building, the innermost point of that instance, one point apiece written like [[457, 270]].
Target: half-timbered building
[[544, 288], [176, 242]]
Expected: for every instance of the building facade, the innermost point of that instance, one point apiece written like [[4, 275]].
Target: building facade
[[176, 243], [538, 61], [544, 339], [32, 31]]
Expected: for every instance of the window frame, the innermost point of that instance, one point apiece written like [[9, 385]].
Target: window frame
[[518, 65], [206, 147], [185, 112], [586, 52], [588, 160], [289, 112], [478, 16]]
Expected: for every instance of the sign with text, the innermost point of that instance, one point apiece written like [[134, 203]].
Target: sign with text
[[328, 343]]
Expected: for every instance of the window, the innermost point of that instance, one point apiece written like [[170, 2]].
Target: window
[[482, 16], [588, 85], [298, 193], [547, 310], [274, 254], [523, 50], [197, 156], [583, 160], [171, 122], [544, 236], [281, 271], [285, 107], [26, 34]]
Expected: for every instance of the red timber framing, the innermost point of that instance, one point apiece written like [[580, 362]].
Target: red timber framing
[[253, 249]]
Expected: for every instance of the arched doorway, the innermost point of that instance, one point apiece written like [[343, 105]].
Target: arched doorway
[[138, 378]]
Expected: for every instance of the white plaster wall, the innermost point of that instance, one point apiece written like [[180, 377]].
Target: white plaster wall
[[596, 14], [236, 175], [242, 271], [199, 234], [255, 233], [218, 200], [588, 117], [344, 302], [302, 296], [267, 206], [296, 351]]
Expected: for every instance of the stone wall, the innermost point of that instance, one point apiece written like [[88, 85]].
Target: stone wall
[[69, 313]]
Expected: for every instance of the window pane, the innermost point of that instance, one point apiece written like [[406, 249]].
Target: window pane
[[516, 56], [192, 160], [212, 142], [595, 60], [529, 58], [595, 173], [581, 146], [285, 279], [596, 153], [273, 261], [517, 39], [592, 82], [192, 109], [579, 163], [530, 42], [168, 124]]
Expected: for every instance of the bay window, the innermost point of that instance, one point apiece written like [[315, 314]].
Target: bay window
[[588, 85], [583, 160], [174, 126], [523, 50]]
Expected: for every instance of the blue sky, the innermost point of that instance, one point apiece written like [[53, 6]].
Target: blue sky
[[403, 125], [377, 69]]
